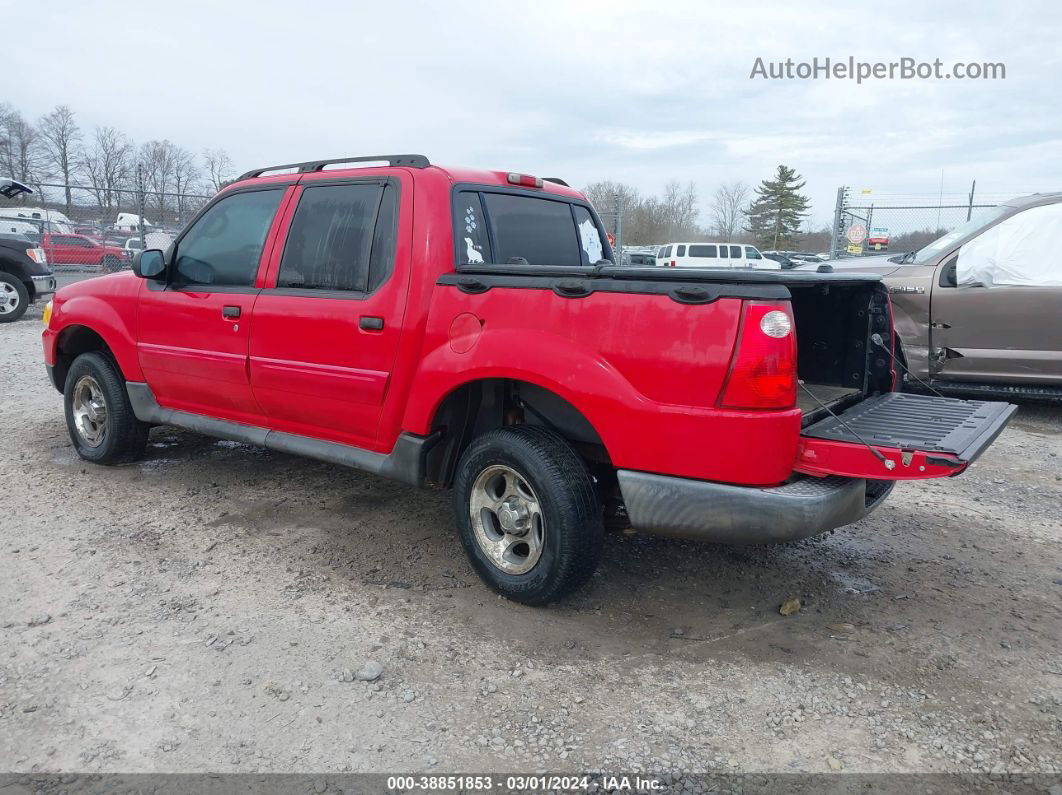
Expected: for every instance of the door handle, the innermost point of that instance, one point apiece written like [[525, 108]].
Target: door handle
[[230, 312], [371, 323]]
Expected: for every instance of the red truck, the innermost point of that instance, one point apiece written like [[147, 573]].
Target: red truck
[[82, 250], [469, 329]]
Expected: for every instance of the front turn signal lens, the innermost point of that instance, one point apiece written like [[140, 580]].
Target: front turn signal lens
[[47, 317]]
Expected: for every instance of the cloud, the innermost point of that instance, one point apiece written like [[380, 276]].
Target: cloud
[[627, 91]]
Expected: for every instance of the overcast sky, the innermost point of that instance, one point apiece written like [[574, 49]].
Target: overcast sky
[[641, 93]]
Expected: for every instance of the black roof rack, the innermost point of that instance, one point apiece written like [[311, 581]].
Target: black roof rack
[[409, 161]]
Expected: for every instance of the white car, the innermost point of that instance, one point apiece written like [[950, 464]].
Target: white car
[[713, 255]]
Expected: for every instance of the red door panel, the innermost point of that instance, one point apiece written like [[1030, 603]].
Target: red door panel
[[315, 372], [194, 358]]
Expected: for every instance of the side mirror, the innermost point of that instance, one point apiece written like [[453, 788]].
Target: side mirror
[[150, 264]]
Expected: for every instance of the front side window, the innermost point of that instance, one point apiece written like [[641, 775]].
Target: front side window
[[752, 253], [330, 243], [223, 247], [703, 251]]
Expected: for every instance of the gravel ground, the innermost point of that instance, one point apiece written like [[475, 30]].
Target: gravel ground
[[219, 607]]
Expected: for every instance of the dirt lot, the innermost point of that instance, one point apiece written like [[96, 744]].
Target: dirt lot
[[209, 608]]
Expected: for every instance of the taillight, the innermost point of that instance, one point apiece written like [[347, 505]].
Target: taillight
[[672, 263], [763, 369]]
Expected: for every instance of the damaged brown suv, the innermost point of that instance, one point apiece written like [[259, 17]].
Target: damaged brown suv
[[980, 309]]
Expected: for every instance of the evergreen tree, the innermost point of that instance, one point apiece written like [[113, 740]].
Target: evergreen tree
[[775, 215]]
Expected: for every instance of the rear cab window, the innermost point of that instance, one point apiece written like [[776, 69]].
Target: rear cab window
[[513, 228]]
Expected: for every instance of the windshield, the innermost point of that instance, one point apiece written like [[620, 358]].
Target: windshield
[[938, 246]]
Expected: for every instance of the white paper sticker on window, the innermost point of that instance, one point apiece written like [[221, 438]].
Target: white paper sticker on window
[[591, 241]]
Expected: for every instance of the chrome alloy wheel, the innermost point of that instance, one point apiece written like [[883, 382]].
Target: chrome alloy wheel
[[507, 519], [90, 411], [8, 298]]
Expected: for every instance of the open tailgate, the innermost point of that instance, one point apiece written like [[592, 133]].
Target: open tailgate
[[912, 436]]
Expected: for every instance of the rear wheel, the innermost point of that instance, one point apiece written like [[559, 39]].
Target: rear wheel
[[14, 298], [100, 419], [528, 514]]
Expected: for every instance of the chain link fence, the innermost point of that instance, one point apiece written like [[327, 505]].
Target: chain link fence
[[867, 223], [98, 226]]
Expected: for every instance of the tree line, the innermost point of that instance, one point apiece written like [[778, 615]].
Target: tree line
[[106, 162], [772, 216]]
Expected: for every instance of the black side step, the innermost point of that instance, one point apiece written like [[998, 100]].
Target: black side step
[[963, 428], [1040, 394]]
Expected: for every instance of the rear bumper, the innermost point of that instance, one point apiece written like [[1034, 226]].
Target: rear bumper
[[722, 513]]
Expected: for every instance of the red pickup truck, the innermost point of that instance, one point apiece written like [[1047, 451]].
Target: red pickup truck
[[469, 329], [82, 250]]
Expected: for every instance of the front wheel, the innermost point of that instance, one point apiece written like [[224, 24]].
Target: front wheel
[[528, 513], [14, 298], [100, 419]]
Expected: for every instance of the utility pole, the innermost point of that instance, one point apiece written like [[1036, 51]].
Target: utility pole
[[969, 209], [837, 232], [140, 204]]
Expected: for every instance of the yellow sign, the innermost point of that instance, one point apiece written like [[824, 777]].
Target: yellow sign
[[855, 249], [866, 191]]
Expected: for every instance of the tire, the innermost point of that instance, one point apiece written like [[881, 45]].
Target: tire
[[110, 264], [100, 419], [529, 480], [14, 298]]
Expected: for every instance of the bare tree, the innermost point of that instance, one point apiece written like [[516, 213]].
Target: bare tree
[[680, 206], [109, 166], [20, 155], [185, 174], [726, 211], [59, 137], [219, 167], [157, 159]]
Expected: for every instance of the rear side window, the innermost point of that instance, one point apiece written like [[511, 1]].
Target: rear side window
[[512, 229], [340, 236], [735, 252], [528, 230], [681, 251], [702, 251], [224, 245], [593, 249], [473, 245]]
